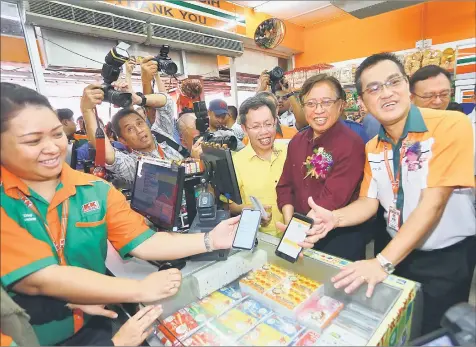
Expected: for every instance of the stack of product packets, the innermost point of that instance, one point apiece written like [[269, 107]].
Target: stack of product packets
[[273, 331], [239, 320], [283, 291], [318, 313]]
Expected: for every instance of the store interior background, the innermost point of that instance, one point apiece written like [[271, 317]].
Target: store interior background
[[317, 32]]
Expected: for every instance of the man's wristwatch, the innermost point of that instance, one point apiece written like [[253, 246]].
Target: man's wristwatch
[[208, 242], [144, 99], [385, 264]]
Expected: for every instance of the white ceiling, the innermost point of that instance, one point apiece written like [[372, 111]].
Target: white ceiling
[[303, 13]]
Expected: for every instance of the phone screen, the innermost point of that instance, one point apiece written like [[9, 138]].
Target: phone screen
[[295, 233], [247, 229]]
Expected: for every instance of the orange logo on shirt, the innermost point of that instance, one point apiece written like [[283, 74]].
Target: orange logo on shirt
[[91, 206]]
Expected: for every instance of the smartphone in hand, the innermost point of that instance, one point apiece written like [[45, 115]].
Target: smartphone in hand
[[247, 229], [295, 233]]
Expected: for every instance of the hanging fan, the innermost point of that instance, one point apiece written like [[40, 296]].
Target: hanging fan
[[270, 33]]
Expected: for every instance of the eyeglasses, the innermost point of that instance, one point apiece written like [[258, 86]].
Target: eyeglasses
[[443, 96], [265, 126], [377, 87], [312, 105]]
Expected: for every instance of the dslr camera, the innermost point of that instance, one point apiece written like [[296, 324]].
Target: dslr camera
[[202, 124], [111, 69], [164, 62], [275, 77]]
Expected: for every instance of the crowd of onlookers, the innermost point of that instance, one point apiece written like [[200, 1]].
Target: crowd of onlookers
[[402, 175]]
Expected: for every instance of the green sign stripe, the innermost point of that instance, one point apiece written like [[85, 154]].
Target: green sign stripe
[[466, 60], [205, 10]]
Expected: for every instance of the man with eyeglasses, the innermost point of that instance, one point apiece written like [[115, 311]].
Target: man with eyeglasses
[[260, 164], [430, 87], [419, 168], [325, 162]]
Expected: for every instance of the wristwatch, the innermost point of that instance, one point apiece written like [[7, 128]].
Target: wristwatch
[[144, 99], [208, 242], [385, 264]]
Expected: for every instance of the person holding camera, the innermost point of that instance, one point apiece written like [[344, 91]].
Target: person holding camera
[[131, 130], [218, 115], [56, 222], [290, 110]]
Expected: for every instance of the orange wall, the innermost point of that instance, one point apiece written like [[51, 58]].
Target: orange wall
[[13, 49], [347, 37]]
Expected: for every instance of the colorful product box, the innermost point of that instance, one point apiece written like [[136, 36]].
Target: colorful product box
[[335, 335], [288, 297], [205, 337], [233, 324], [181, 323], [166, 337], [216, 303], [318, 313], [254, 309], [302, 284], [308, 338], [274, 331], [232, 291]]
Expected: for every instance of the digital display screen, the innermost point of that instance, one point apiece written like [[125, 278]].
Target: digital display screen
[[155, 192], [246, 232], [295, 233]]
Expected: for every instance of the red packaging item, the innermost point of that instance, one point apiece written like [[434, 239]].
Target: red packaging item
[[309, 338], [317, 314]]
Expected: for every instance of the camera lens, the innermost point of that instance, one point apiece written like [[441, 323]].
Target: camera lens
[[168, 66], [117, 98]]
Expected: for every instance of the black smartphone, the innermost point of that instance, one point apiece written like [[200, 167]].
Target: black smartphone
[[247, 229], [295, 233]]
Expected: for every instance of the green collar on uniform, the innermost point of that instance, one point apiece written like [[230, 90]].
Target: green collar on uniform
[[414, 124]]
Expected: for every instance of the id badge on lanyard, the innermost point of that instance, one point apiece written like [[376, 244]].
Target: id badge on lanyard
[[394, 214]]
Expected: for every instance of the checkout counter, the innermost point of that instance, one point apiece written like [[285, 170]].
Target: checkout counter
[[390, 317]]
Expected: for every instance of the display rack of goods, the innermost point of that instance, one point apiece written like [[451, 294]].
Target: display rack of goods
[[413, 62], [431, 57], [448, 58]]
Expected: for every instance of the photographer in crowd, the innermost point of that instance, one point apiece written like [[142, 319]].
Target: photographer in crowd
[[290, 111], [218, 116]]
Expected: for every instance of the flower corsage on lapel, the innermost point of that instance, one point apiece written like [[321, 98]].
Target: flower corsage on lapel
[[319, 164]]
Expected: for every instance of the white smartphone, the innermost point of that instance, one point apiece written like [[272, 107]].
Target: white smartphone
[[247, 229]]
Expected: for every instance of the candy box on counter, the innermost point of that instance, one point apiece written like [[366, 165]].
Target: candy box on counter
[[308, 338], [205, 337], [273, 331], [233, 324], [216, 303], [181, 323], [319, 312], [302, 284]]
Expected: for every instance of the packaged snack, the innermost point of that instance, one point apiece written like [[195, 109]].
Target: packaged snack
[[254, 309], [234, 323], [274, 331], [198, 312], [308, 338], [287, 297], [335, 335], [216, 303], [232, 291], [166, 337], [205, 337], [257, 283], [180, 324], [301, 284], [318, 313]]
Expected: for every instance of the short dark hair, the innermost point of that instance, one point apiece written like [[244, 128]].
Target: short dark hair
[[320, 78], [427, 72], [454, 106], [254, 103], [122, 113], [14, 98], [233, 111], [373, 60], [64, 114]]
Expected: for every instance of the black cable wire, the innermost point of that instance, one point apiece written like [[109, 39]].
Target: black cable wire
[[67, 49]]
